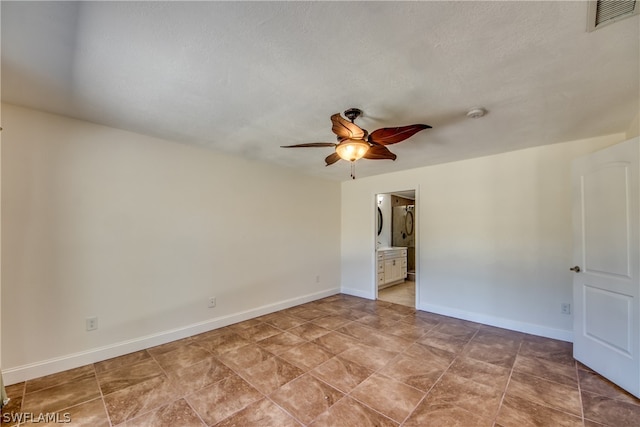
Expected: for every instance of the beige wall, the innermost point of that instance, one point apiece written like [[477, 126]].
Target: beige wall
[[494, 236], [634, 127], [140, 232]]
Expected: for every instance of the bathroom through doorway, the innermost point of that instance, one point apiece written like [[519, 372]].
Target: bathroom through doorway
[[396, 246]]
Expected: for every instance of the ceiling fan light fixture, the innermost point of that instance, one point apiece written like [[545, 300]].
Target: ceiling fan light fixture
[[352, 149]]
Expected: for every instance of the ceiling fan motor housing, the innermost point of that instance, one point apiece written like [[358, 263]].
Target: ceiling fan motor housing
[[352, 113]]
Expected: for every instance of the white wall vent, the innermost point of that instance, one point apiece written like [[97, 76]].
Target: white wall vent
[[604, 12]]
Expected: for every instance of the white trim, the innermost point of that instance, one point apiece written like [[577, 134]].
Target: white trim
[[358, 293], [75, 360], [513, 325]]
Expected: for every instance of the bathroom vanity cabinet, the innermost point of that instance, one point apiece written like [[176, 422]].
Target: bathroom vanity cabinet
[[392, 266]]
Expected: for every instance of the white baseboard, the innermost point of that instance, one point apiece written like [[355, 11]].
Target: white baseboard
[[514, 325], [75, 360], [357, 293]]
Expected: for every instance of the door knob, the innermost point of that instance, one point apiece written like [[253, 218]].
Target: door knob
[[576, 269]]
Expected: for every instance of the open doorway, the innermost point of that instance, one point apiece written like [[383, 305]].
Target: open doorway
[[396, 247]]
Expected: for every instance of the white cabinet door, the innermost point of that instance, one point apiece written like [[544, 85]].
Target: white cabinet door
[[388, 271], [606, 283], [396, 269]]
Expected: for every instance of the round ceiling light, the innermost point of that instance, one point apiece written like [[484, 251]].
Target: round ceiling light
[[476, 113]]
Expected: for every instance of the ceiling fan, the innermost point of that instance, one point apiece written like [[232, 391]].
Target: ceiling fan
[[355, 143]]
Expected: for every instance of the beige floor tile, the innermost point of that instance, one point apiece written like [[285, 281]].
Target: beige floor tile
[[309, 331], [596, 384], [271, 374], [223, 399], [349, 412], [88, 414], [259, 332], [133, 401], [414, 371], [388, 396], [609, 411], [121, 361], [306, 356], [341, 373], [306, 397], [280, 343], [262, 413], [199, 375], [335, 342], [547, 369], [330, 322], [341, 360], [481, 399], [481, 372], [543, 392], [170, 346], [445, 414], [370, 357], [126, 376], [516, 411], [62, 396], [245, 357], [60, 378], [177, 413]]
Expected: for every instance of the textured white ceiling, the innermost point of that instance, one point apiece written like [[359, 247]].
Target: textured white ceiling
[[247, 77]]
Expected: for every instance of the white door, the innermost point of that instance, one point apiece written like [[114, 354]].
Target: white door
[[606, 284]]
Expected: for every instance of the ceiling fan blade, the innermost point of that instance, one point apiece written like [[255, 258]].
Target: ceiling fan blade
[[345, 129], [379, 152], [310, 144], [388, 136], [331, 159]]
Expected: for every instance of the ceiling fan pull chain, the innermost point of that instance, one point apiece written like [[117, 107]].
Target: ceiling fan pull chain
[[353, 170]]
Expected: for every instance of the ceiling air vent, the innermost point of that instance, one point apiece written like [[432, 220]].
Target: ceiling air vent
[[604, 12]]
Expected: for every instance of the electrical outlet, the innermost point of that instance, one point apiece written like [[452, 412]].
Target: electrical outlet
[[565, 308], [91, 323], [212, 302]]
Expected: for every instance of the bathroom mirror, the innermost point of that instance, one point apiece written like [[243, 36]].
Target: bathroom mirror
[[408, 222]]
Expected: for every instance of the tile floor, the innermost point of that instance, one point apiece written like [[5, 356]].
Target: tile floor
[[403, 293], [339, 361]]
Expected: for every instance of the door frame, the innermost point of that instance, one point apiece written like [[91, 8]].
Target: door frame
[[416, 231]]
